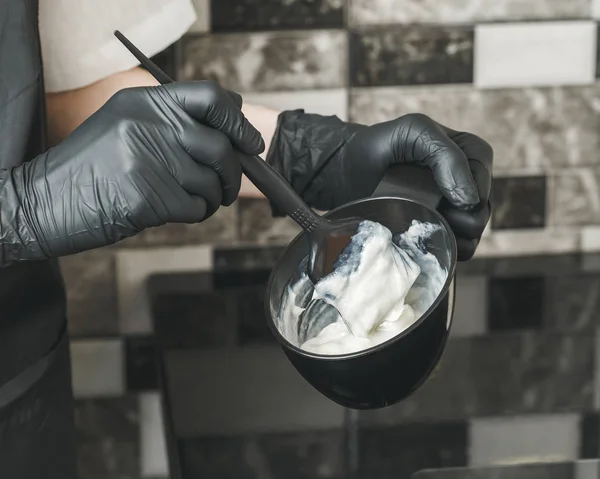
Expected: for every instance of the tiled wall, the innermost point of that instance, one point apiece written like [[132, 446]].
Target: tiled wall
[[522, 74]]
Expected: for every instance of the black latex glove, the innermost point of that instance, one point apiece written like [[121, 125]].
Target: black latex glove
[[149, 156], [330, 162]]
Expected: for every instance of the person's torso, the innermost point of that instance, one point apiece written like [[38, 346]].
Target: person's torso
[[32, 299]]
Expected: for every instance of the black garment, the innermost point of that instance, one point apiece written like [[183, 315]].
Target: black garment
[[37, 432]]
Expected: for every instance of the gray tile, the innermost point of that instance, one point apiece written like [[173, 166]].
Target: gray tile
[[369, 12], [300, 455], [509, 373], [206, 388], [530, 129], [295, 60], [97, 368], [258, 226], [521, 471], [575, 197], [107, 438], [470, 307], [589, 469], [219, 228], [91, 293], [202, 24], [572, 302], [524, 439], [413, 55], [135, 266]]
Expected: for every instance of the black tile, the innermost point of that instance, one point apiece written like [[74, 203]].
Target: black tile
[[233, 280], [573, 302], [395, 452], [255, 15], [407, 55], [250, 258], [516, 303], [502, 374], [140, 363], [202, 320], [108, 438], [252, 319], [589, 436], [519, 202], [303, 455]]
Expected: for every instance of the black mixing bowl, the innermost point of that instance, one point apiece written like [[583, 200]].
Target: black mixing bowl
[[387, 373]]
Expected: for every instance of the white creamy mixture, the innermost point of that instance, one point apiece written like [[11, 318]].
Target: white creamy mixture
[[380, 285]]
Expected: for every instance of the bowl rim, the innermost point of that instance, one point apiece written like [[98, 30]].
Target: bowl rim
[[373, 349]]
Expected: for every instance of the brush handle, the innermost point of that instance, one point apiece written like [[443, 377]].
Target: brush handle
[[279, 191], [265, 178]]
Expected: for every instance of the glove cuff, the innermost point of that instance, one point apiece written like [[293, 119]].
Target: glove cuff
[[303, 146], [17, 242]]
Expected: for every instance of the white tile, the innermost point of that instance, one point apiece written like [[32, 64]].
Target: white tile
[[590, 239], [506, 243], [202, 24], [596, 9], [133, 269], [97, 368], [153, 446], [322, 102], [240, 391], [470, 307], [524, 439], [535, 54]]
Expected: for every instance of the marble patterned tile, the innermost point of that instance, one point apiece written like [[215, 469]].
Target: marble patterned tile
[[153, 446], [332, 101], [413, 55], [254, 15], [524, 439], [202, 24], [97, 368], [540, 374], [107, 438], [300, 455], [507, 243], [470, 306], [400, 451], [531, 129], [90, 279], [258, 226], [201, 320], [134, 267], [516, 303], [276, 61], [371, 12], [205, 388], [219, 228], [573, 302], [140, 363], [519, 202], [524, 54], [575, 197]]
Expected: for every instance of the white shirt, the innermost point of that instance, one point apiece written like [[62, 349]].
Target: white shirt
[[78, 45]]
